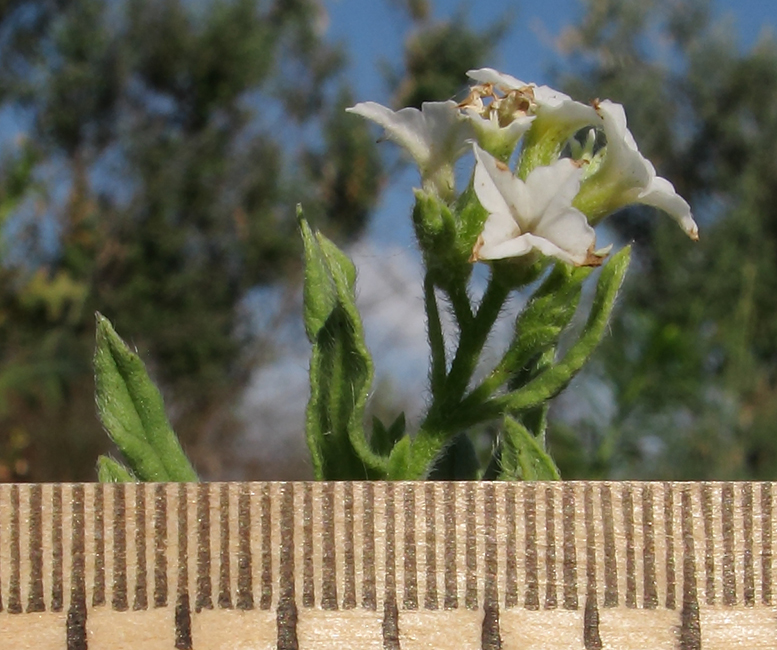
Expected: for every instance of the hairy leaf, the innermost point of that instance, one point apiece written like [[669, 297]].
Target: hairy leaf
[[131, 409]]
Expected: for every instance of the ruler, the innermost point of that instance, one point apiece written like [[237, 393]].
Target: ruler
[[388, 566]]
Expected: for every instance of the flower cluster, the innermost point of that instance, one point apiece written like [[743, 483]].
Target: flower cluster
[[548, 204]]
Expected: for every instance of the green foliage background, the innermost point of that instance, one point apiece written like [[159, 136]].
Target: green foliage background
[[167, 144], [690, 370]]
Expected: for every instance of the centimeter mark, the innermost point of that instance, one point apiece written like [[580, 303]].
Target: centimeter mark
[[580, 565]]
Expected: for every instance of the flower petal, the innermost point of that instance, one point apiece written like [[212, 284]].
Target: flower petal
[[504, 82], [662, 195], [496, 187], [535, 215], [498, 238], [569, 231], [406, 127], [623, 158], [634, 175], [552, 189]]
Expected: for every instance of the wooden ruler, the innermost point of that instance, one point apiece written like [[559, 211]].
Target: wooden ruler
[[433, 566]]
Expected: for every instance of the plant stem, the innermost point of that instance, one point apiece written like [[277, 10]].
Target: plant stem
[[436, 340], [472, 340], [474, 331]]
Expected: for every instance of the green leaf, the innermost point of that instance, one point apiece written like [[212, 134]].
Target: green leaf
[[537, 329], [319, 292], [112, 471], [340, 368], [131, 409], [399, 461], [522, 457], [550, 382]]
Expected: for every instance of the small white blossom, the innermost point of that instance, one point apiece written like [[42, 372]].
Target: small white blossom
[[436, 136], [631, 176], [550, 105], [535, 215], [499, 123]]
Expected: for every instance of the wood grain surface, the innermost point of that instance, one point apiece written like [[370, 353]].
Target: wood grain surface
[[388, 566]]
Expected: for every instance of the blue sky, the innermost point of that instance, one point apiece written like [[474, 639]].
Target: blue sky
[[372, 31]]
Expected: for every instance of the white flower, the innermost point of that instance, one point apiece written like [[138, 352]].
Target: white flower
[[557, 110], [535, 215], [435, 137], [630, 177], [492, 136]]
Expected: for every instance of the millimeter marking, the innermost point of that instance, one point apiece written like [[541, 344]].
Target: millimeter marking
[[393, 566]]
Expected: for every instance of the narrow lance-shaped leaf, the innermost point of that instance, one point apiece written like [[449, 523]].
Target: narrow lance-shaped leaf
[[340, 368], [112, 471], [550, 382], [131, 409], [537, 328], [522, 456]]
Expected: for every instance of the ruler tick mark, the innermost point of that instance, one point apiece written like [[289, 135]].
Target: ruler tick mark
[[451, 586], [160, 546], [349, 559], [35, 601], [287, 614], [75, 634], [748, 577], [648, 550], [57, 590], [141, 577], [245, 595], [410, 600], [183, 616], [430, 515], [727, 513], [551, 593], [225, 591], [532, 598], [98, 592], [570, 553], [766, 543], [369, 594], [328, 559], [490, 635], [119, 600], [610, 557], [709, 543], [511, 568], [204, 587]]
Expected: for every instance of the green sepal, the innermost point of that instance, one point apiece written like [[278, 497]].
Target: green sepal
[[436, 228], [471, 216], [399, 462], [384, 438], [545, 140], [341, 368], [132, 411], [522, 457], [112, 471], [550, 382]]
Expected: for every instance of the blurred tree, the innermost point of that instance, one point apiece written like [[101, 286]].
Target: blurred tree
[[686, 386], [438, 53], [162, 147], [165, 145]]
